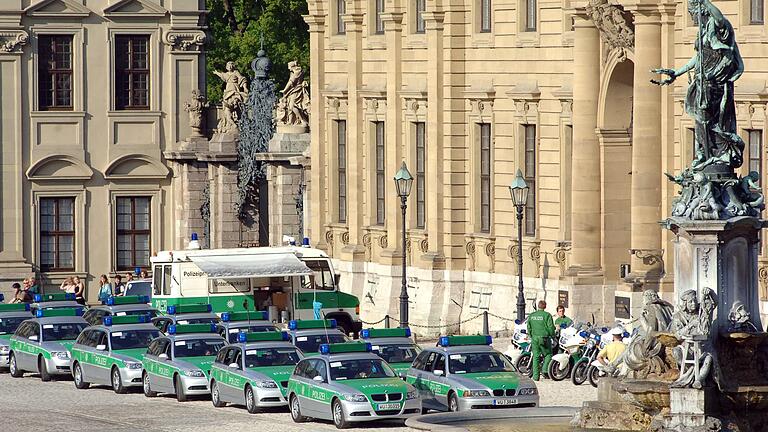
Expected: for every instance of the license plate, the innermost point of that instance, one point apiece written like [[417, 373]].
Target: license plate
[[505, 401], [389, 406]]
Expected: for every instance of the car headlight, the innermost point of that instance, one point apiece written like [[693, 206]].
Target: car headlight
[[476, 393], [133, 365], [413, 394], [527, 392], [355, 398], [4, 350], [266, 384], [61, 355], [194, 373]]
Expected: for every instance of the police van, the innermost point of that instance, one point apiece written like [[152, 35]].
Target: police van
[[286, 281]]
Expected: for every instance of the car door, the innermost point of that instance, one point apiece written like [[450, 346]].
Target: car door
[[303, 387], [425, 380], [100, 363], [82, 349], [21, 340], [315, 402], [440, 382], [29, 357]]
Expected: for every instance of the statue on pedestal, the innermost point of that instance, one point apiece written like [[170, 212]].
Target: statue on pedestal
[[195, 107], [692, 325], [293, 107], [235, 94]]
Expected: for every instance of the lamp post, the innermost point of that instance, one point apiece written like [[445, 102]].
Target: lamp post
[[403, 183], [519, 191]]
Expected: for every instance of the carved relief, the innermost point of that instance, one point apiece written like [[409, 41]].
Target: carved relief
[[329, 238], [383, 241], [424, 245], [762, 277], [490, 252], [535, 254], [367, 243], [469, 247], [615, 27], [184, 41], [13, 41], [513, 251], [561, 258], [705, 261], [345, 238]]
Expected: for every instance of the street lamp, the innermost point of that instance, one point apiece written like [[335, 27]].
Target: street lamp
[[403, 183], [519, 191]]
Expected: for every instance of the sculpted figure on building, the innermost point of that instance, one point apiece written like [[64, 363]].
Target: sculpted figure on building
[[235, 94], [293, 106]]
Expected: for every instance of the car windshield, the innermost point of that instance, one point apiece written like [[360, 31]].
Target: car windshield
[[184, 321], [62, 331], [142, 288], [198, 347], [360, 369], [250, 329], [151, 312], [9, 325], [271, 357], [311, 344], [130, 339], [397, 353], [479, 362]]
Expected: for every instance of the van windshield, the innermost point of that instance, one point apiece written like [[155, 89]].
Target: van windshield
[[323, 278]]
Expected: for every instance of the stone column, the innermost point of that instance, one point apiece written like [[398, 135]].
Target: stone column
[[585, 191], [646, 152]]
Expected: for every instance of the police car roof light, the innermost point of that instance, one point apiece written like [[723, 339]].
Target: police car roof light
[[518, 322], [189, 308], [126, 319], [385, 333], [269, 336], [114, 301], [563, 325], [446, 341], [311, 324], [191, 328], [14, 307], [61, 312], [39, 298], [583, 334], [345, 347], [625, 335], [244, 316]]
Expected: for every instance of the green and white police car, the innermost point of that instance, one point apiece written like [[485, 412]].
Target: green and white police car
[[180, 362], [111, 353], [254, 371], [234, 323], [394, 346], [11, 316], [54, 301], [308, 335], [464, 372], [347, 383], [42, 344], [120, 306], [193, 313]]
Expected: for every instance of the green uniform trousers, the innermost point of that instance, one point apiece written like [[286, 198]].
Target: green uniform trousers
[[540, 346]]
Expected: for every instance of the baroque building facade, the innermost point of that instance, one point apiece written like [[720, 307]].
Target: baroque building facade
[[467, 92], [92, 99]]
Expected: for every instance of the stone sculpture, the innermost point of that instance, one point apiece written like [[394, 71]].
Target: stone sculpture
[[196, 107], [614, 27], [235, 94], [645, 355], [692, 325], [739, 319], [293, 106], [711, 189]]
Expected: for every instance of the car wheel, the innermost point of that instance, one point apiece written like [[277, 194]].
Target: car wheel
[[178, 387], [42, 369], [14, 368], [339, 420], [117, 382], [453, 402], [216, 395], [296, 410], [147, 387], [77, 375], [579, 373], [556, 374], [250, 400]]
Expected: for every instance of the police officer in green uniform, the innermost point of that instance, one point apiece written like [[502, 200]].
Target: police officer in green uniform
[[541, 329], [562, 318]]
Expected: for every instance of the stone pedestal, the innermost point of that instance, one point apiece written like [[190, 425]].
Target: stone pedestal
[[721, 255], [691, 410]]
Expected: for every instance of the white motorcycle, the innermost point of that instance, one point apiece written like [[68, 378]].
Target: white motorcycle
[[519, 352], [572, 343], [598, 370]]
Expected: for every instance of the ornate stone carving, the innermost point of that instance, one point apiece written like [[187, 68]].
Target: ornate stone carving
[[367, 243], [329, 238], [184, 40], [469, 248], [561, 258], [233, 99], [705, 260], [692, 324], [535, 254], [293, 106], [408, 245], [739, 319], [614, 25], [424, 245], [195, 107], [513, 251], [383, 241], [762, 277], [13, 41], [345, 238]]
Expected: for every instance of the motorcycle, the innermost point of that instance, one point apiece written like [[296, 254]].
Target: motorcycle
[[519, 353], [598, 370], [571, 346], [592, 347]]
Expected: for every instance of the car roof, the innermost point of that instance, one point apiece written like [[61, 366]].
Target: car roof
[[124, 327], [178, 317], [459, 349], [350, 356], [317, 332], [59, 320], [16, 314], [125, 307], [266, 344], [56, 304], [236, 324], [390, 341], [194, 336]]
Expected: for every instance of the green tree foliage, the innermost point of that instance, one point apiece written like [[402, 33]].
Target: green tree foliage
[[236, 26]]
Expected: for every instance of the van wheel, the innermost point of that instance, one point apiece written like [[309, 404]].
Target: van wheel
[[216, 395], [43, 369], [14, 368], [77, 374], [338, 415], [296, 410]]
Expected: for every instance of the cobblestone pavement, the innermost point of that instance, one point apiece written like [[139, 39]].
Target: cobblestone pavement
[[27, 404]]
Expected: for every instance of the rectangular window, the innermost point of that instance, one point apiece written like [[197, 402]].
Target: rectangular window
[[421, 186], [133, 232], [132, 72], [380, 176], [756, 12], [421, 6], [485, 16], [341, 130], [530, 179], [57, 234], [485, 177], [530, 15], [55, 72], [341, 10], [755, 141], [379, 20]]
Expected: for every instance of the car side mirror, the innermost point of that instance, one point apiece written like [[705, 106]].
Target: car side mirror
[[163, 356], [402, 376], [318, 378], [101, 347], [438, 372], [234, 366], [33, 338]]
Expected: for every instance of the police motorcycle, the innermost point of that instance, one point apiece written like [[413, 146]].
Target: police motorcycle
[[570, 348], [593, 345], [598, 370], [519, 352]]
